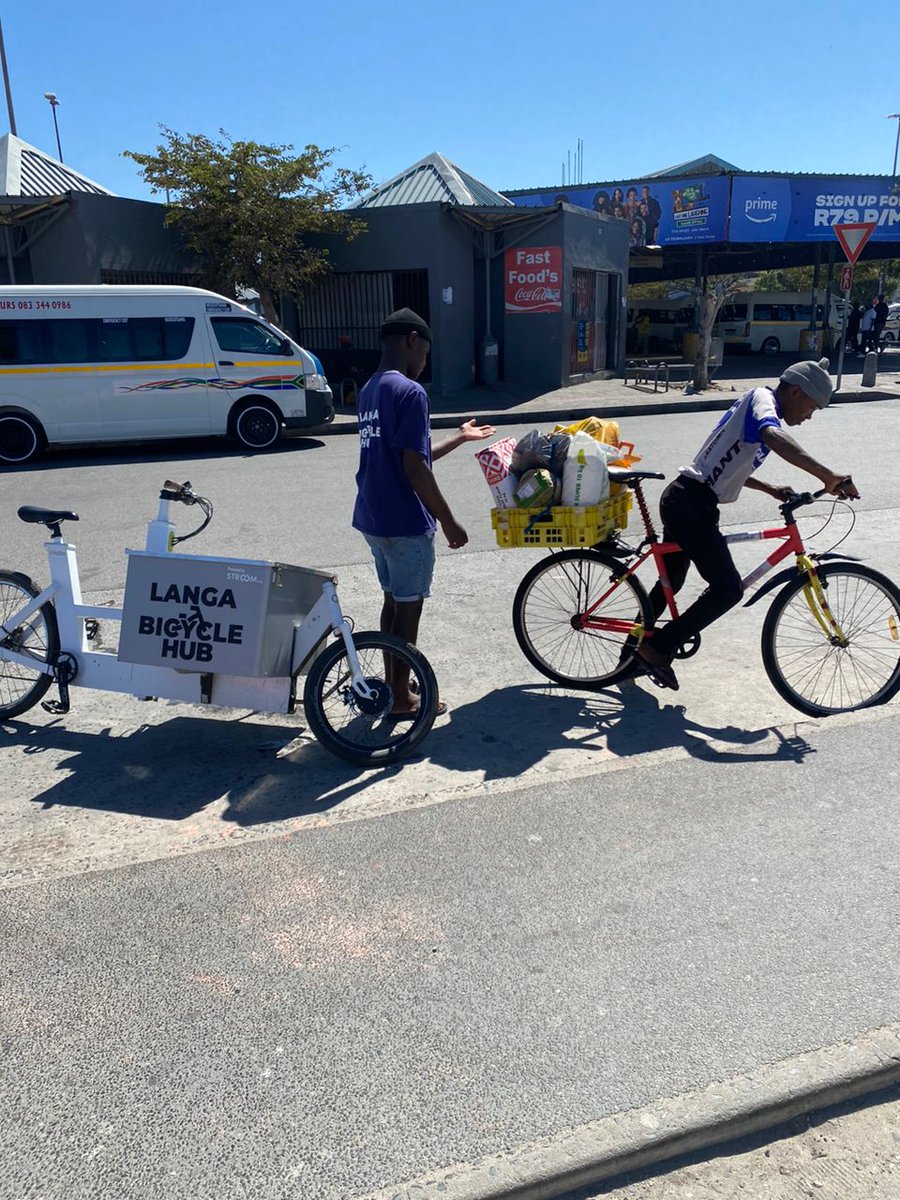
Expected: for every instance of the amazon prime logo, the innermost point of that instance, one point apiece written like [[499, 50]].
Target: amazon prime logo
[[760, 212]]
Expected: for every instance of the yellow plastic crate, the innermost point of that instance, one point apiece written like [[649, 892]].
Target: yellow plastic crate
[[561, 526]]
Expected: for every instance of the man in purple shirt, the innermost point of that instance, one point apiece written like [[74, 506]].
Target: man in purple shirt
[[399, 504]]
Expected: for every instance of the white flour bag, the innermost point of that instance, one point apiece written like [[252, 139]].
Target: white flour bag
[[585, 477]]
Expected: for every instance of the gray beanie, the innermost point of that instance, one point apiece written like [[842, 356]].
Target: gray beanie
[[812, 378]]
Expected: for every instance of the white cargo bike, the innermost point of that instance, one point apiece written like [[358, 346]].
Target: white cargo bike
[[235, 633]]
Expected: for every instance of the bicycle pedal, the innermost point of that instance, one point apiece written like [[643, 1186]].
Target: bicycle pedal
[[55, 707]]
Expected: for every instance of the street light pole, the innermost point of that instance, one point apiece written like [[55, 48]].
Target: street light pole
[[895, 117], [54, 104]]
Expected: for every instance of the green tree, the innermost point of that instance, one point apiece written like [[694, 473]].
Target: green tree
[[869, 279], [246, 209]]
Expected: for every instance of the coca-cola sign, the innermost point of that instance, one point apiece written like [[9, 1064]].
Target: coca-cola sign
[[533, 279]]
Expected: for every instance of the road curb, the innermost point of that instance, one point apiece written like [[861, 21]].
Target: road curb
[[605, 410], [666, 1129]]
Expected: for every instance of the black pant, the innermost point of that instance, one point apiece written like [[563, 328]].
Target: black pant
[[690, 516]]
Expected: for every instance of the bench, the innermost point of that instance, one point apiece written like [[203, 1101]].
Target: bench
[[658, 371]]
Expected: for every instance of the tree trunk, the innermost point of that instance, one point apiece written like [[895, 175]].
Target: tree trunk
[[267, 300], [707, 311]]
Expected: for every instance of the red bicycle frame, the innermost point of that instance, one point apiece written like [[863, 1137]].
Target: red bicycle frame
[[788, 534]]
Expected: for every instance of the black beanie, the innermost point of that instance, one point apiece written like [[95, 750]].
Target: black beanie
[[404, 320]]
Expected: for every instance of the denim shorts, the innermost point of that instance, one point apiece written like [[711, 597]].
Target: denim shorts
[[405, 565]]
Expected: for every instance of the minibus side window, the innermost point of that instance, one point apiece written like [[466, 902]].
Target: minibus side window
[[143, 339], [146, 338], [69, 341], [241, 335], [114, 342], [9, 343], [177, 335]]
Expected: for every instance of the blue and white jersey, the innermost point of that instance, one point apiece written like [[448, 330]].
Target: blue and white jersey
[[734, 449]]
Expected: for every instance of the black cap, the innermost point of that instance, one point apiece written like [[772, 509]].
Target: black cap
[[404, 320]]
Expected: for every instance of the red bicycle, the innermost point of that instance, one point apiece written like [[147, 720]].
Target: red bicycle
[[830, 640]]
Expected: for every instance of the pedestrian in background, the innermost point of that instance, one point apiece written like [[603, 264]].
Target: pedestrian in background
[[867, 328], [881, 315], [853, 319]]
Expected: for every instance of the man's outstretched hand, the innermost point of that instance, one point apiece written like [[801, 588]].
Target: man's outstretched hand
[[470, 432]]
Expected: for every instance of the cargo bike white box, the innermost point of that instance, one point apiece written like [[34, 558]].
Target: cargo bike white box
[[230, 632]]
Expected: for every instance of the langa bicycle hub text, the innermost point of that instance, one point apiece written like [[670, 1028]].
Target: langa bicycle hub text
[[190, 635]]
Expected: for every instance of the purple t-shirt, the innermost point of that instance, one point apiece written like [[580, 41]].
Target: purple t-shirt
[[393, 417]]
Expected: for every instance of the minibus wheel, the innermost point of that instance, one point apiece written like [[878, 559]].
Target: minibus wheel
[[256, 425], [21, 437], [771, 345]]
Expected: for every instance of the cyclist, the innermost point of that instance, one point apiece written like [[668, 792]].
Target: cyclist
[[689, 506]]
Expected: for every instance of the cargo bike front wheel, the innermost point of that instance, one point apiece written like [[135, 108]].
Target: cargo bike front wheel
[[362, 730]]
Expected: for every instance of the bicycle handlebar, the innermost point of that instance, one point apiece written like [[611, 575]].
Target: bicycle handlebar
[[185, 494], [800, 499], [182, 492]]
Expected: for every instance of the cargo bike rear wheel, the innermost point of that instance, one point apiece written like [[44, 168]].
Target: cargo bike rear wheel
[[363, 730]]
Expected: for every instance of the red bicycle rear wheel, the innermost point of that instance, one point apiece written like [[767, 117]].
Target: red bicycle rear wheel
[[552, 598]]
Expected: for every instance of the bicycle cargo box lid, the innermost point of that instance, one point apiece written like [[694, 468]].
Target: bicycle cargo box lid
[[225, 616]]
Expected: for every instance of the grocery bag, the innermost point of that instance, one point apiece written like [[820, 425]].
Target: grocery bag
[[585, 475], [495, 464], [537, 489], [596, 427]]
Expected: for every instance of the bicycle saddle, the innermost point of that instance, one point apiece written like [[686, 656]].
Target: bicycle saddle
[[45, 516]]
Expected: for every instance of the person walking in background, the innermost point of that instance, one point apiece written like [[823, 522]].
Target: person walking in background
[[642, 329], [881, 316], [398, 502], [853, 319], [867, 328]]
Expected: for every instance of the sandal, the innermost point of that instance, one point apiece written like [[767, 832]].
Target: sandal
[[441, 708]]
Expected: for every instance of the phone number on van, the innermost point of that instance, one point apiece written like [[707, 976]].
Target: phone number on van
[[34, 304]]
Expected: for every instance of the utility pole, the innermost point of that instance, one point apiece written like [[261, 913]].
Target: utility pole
[[9, 103]]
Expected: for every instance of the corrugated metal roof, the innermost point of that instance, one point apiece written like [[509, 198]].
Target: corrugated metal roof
[[690, 168], [433, 178], [27, 171]]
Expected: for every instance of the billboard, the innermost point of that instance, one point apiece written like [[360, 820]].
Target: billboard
[[532, 279], [661, 212], [767, 209]]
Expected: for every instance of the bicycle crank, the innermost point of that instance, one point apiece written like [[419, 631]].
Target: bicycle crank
[[689, 648], [64, 671]]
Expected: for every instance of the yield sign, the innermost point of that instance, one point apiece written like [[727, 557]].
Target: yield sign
[[854, 236]]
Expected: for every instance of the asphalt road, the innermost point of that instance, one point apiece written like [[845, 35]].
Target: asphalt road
[[295, 504], [329, 1013], [232, 965]]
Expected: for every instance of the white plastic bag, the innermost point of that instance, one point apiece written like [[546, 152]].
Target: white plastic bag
[[585, 477]]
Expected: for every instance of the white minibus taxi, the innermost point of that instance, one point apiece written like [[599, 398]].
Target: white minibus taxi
[[772, 322], [111, 363], [669, 321]]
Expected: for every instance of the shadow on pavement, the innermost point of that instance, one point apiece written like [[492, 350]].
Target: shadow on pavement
[[511, 730], [173, 770]]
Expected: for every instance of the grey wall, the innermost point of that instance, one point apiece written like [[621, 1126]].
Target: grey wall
[[537, 346], [107, 233], [596, 243], [422, 237]]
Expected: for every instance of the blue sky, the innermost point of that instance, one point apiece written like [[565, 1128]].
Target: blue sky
[[502, 88]]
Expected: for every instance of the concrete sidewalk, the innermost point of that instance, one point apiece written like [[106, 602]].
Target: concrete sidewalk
[[506, 405]]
